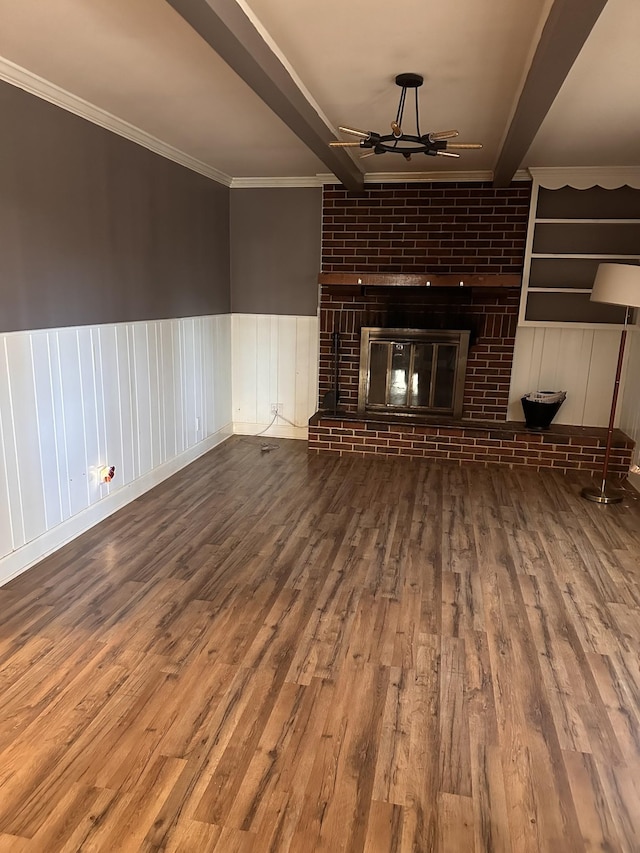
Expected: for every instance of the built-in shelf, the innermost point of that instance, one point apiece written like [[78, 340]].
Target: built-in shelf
[[550, 221], [571, 231], [587, 255], [559, 289]]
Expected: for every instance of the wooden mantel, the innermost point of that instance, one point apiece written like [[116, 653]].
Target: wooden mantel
[[338, 279]]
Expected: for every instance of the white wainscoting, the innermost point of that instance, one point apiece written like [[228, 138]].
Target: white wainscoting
[[275, 360], [147, 397], [581, 362], [630, 405]]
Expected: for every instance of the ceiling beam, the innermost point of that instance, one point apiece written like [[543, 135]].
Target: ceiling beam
[[226, 28], [565, 32]]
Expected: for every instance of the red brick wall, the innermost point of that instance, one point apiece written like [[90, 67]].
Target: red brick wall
[[435, 228]]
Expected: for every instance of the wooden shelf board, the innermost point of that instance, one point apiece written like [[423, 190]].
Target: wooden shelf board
[[399, 280]]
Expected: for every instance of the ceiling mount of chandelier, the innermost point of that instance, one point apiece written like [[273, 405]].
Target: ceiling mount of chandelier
[[435, 144]]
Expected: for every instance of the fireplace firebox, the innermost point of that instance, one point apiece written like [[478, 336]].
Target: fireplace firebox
[[412, 372]]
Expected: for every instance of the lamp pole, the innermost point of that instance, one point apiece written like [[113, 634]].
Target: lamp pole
[[614, 284], [604, 495]]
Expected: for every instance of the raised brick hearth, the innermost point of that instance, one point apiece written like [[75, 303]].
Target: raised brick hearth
[[562, 448]]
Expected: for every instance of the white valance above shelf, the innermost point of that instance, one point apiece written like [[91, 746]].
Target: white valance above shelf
[[584, 177]]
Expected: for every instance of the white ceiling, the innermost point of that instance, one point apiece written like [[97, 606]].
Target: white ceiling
[[595, 119], [141, 62]]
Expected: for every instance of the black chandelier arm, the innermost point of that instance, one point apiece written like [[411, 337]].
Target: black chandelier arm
[[400, 113], [417, 115], [391, 144]]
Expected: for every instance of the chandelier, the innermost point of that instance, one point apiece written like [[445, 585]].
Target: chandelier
[[397, 142]]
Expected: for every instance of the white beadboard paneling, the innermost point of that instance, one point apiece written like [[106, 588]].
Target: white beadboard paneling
[[630, 406], [630, 399], [275, 360], [26, 439], [602, 373], [96, 489], [92, 427], [55, 378], [200, 383], [128, 419], [210, 386], [244, 348], [177, 347], [287, 332], [111, 397], [74, 423], [222, 375], [14, 503], [188, 356], [306, 364], [73, 400], [142, 398], [155, 411], [581, 362], [574, 351], [44, 412], [264, 375], [169, 392], [6, 533], [550, 372]]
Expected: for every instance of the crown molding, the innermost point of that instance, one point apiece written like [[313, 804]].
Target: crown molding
[[423, 177], [35, 85], [252, 183], [583, 177], [374, 178]]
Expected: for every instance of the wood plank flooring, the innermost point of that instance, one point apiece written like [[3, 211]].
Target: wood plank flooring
[[276, 652]]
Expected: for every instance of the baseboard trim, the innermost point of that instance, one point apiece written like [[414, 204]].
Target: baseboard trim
[[28, 555], [275, 431]]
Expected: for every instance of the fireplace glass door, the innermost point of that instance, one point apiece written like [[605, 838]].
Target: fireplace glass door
[[412, 371]]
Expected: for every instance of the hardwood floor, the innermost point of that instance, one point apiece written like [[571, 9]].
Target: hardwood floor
[[275, 652]]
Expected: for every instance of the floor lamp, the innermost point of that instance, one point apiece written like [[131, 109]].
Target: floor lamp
[[616, 284]]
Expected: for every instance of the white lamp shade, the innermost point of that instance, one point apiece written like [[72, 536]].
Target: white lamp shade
[[617, 284]]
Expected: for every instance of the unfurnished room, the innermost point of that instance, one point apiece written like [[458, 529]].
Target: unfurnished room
[[319, 426]]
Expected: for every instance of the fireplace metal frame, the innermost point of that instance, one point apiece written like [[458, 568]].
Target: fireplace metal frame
[[456, 337]]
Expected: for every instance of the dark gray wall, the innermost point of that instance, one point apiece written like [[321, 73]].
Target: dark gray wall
[[96, 229], [275, 250]]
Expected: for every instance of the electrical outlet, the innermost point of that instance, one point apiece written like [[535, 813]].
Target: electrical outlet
[[276, 408], [197, 424]]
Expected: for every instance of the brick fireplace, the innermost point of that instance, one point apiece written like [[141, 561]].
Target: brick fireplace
[[434, 256], [490, 314]]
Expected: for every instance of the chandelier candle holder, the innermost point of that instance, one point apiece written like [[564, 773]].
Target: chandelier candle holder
[[434, 144]]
